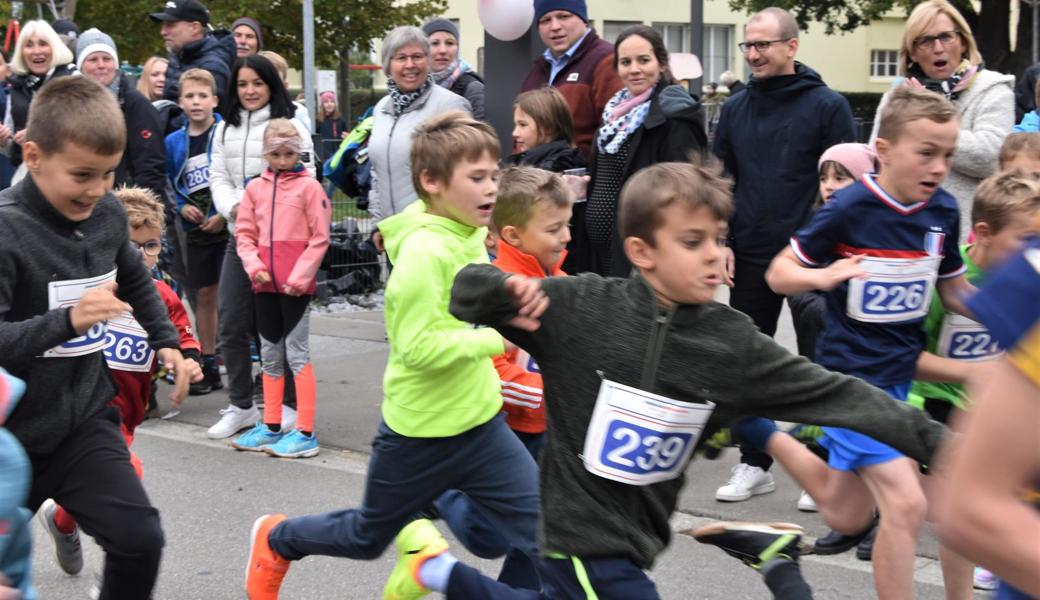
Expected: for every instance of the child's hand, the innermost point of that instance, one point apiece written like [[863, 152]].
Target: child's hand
[[19, 137], [6, 591], [729, 263], [531, 300], [172, 360], [262, 277], [5, 135], [377, 241], [841, 271], [97, 305], [291, 290], [214, 224], [192, 214], [194, 369]]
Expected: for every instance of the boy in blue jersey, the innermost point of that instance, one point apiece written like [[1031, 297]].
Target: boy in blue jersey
[[877, 249]]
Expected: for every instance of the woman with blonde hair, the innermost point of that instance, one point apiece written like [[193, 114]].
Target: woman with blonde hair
[[153, 78], [939, 53], [38, 57]]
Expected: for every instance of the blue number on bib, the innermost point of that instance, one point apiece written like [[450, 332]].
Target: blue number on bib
[[634, 449], [532, 365], [92, 336], [894, 298], [124, 349], [968, 345]]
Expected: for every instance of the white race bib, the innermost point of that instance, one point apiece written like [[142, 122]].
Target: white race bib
[[62, 294], [961, 338], [640, 438], [898, 290], [126, 345], [196, 173]]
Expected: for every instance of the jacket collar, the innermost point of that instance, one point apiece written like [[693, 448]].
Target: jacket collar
[[641, 296], [512, 260], [34, 200], [292, 173]]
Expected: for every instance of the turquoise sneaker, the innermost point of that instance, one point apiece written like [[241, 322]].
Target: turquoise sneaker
[[257, 439], [294, 445]]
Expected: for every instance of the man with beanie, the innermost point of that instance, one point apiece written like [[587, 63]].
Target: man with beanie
[[577, 62], [67, 31], [184, 25], [448, 69], [144, 161], [249, 36]]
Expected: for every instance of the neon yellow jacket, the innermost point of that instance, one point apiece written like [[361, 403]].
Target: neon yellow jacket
[[440, 380]]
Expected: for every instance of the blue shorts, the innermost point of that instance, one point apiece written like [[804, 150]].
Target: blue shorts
[[1006, 592], [849, 450]]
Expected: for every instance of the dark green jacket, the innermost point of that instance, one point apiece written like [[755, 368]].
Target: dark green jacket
[[693, 353]]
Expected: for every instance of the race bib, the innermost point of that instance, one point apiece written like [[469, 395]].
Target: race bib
[[526, 362], [961, 338], [126, 346], [196, 173], [62, 294], [640, 438], [898, 289]]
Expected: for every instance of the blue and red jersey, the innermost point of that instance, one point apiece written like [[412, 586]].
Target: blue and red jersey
[[873, 328]]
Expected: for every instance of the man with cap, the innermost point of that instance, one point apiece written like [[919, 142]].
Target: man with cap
[[576, 61], [144, 161], [184, 28], [249, 36], [449, 70]]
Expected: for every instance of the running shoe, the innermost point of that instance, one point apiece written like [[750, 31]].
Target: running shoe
[[67, 548], [257, 439], [266, 570], [294, 445], [754, 544], [417, 542]]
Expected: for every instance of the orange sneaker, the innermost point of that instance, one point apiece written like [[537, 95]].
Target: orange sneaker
[[266, 569]]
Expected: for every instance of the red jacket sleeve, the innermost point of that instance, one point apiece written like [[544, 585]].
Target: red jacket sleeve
[[522, 394], [189, 345]]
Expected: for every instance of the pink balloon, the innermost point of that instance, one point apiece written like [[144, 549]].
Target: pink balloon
[[506, 20]]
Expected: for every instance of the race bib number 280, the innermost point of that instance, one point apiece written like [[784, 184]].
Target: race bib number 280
[[62, 294], [897, 290], [640, 438]]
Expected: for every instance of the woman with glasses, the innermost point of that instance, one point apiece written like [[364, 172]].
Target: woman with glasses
[[412, 98], [938, 53], [651, 120]]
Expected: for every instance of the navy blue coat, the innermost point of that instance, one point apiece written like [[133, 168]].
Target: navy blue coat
[[769, 138], [214, 53]]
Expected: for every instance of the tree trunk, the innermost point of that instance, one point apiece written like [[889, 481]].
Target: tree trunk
[[343, 68], [994, 38]]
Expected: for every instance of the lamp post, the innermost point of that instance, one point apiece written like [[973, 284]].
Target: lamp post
[[308, 59]]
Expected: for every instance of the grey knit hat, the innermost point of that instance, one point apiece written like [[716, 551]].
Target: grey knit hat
[[441, 25], [91, 41]]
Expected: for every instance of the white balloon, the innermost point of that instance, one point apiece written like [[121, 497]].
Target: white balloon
[[506, 20]]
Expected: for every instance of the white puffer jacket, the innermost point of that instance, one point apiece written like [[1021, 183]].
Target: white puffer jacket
[[987, 113], [238, 157]]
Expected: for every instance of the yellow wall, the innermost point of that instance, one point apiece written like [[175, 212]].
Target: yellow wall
[[842, 60]]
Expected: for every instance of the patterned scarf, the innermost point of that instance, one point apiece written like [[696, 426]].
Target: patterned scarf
[[622, 115], [402, 100], [951, 87], [451, 74]]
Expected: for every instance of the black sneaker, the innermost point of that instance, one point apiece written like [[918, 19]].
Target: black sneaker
[[836, 543], [865, 548], [210, 381], [754, 544]]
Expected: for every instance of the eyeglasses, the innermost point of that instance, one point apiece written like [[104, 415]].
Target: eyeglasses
[[760, 46], [404, 58], [945, 38], [149, 248]]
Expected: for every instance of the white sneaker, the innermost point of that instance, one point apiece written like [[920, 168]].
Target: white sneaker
[[288, 418], [232, 420], [746, 481], [67, 548], [806, 503]]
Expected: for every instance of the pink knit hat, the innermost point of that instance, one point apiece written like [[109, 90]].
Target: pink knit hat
[[327, 95], [857, 158]]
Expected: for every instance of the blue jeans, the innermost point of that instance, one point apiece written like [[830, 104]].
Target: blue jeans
[[405, 475]]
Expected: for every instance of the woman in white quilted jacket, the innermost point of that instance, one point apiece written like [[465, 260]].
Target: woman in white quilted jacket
[[257, 95]]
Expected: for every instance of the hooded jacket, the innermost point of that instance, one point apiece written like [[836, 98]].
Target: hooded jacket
[[769, 138], [987, 114], [390, 148], [215, 53], [587, 82], [599, 327], [283, 228], [178, 145], [521, 379], [439, 379], [672, 131], [144, 160], [237, 156]]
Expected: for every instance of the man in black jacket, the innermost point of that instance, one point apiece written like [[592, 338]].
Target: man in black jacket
[[184, 29], [144, 162], [769, 138]]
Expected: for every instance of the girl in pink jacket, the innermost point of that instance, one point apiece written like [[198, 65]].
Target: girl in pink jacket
[[282, 232]]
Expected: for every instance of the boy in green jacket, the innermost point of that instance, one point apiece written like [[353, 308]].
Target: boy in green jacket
[[634, 371], [442, 427]]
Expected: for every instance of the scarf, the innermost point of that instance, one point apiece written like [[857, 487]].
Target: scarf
[[622, 115], [403, 100], [951, 87], [451, 74]]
